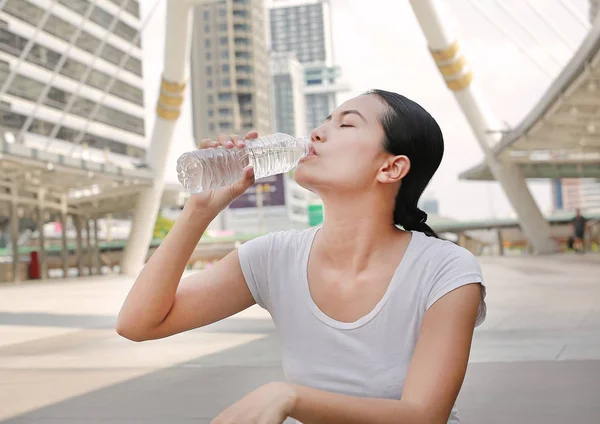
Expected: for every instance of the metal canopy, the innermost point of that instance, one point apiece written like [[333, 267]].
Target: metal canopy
[[560, 138], [30, 177]]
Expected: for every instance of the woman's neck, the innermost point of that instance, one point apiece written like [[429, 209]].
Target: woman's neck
[[357, 230]]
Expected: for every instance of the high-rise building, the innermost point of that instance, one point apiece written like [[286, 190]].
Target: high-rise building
[[289, 116], [287, 94], [71, 78], [229, 59], [230, 94], [304, 28]]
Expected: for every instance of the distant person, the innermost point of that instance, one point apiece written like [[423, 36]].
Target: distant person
[[579, 226], [375, 322]]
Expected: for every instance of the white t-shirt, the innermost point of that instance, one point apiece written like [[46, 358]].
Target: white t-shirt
[[368, 357]]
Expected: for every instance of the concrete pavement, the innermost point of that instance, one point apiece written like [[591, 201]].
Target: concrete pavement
[[536, 359]]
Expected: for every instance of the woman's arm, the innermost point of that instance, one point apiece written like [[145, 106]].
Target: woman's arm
[[434, 378], [158, 305]]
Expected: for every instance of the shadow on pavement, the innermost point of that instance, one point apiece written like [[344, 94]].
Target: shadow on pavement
[[552, 392]]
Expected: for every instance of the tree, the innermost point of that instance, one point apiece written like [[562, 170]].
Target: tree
[[162, 227]]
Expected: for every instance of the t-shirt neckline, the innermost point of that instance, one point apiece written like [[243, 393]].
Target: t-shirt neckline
[[397, 277]]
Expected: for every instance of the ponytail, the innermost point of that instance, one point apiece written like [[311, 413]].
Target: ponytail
[[406, 212]]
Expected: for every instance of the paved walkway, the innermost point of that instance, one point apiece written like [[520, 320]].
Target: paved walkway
[[535, 360]]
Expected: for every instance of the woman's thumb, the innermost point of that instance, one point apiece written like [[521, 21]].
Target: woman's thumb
[[240, 186]]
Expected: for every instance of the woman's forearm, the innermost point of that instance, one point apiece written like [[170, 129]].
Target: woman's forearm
[[153, 292], [313, 406]]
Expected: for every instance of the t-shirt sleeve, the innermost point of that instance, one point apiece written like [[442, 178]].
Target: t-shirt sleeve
[[257, 258], [456, 267]]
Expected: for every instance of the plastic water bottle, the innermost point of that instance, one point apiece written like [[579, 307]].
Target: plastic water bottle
[[206, 169]]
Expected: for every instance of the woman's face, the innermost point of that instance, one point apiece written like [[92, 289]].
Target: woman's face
[[348, 148]]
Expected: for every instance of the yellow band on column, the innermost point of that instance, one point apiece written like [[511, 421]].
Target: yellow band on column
[[170, 100], [453, 67]]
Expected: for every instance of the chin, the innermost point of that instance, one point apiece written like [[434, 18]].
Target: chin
[[305, 178]]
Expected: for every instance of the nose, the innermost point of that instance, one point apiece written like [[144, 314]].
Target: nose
[[317, 134]]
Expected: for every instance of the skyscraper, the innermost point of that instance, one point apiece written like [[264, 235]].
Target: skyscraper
[[71, 78], [230, 94], [304, 28], [287, 94], [230, 84]]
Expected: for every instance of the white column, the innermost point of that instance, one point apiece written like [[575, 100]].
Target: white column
[[42, 238], [79, 248], [97, 258], [500, 242], [64, 246], [175, 75], [458, 76], [14, 235], [89, 245]]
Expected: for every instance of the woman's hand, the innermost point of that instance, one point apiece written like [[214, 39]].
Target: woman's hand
[[218, 199], [269, 404]]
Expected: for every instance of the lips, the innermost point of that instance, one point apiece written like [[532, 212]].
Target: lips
[[312, 151]]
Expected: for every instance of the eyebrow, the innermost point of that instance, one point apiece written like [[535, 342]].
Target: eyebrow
[[348, 112]]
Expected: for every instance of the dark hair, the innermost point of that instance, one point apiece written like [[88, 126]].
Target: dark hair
[[411, 131]]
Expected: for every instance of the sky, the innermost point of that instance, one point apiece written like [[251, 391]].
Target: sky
[[379, 44]]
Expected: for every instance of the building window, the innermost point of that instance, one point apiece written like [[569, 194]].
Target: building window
[[224, 40], [211, 99], [65, 31], [222, 12], [209, 83], [226, 82], [225, 54], [207, 42], [242, 55], [206, 15], [209, 70], [47, 58], [207, 28], [225, 68], [222, 27], [208, 56]]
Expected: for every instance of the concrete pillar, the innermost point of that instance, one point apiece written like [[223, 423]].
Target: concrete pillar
[[97, 260], [64, 250], [175, 74], [14, 237], [462, 240], [79, 247], [500, 242], [90, 246], [42, 238], [457, 74]]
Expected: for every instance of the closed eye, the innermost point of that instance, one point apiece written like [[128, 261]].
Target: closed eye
[[345, 125]]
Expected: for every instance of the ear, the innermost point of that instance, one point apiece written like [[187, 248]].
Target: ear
[[394, 169]]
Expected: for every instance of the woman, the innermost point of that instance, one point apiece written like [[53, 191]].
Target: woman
[[375, 322]]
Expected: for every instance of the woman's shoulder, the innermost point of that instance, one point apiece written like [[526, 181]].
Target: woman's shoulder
[[444, 252], [449, 266]]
